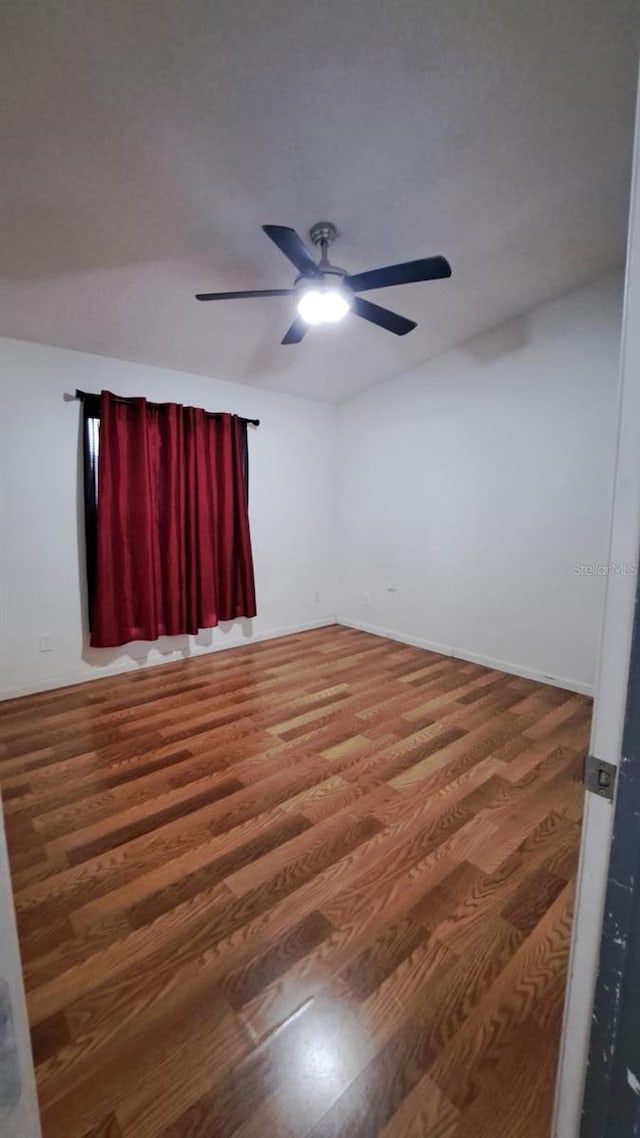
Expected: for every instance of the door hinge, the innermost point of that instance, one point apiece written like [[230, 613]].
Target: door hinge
[[600, 777]]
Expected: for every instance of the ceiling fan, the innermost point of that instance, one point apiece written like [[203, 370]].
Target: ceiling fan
[[327, 293]]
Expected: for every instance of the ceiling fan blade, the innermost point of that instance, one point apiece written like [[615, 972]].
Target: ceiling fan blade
[[428, 269], [243, 295], [296, 332], [294, 249], [383, 317]]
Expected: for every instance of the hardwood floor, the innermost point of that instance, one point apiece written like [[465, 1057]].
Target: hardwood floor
[[318, 887]]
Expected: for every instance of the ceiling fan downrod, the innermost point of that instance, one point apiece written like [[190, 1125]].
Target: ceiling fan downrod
[[323, 234]]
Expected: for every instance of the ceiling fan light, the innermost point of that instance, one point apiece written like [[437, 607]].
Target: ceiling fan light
[[324, 305]]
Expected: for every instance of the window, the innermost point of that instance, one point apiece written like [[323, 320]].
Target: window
[[167, 526]]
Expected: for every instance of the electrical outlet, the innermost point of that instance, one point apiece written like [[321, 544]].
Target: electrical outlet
[[45, 641], [316, 597], [366, 597]]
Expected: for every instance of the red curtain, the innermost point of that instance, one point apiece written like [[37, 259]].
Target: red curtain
[[173, 546]]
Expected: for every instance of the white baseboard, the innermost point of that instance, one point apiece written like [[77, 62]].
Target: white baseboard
[[473, 657], [131, 664]]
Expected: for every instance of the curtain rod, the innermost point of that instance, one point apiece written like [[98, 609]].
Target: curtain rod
[[120, 399]]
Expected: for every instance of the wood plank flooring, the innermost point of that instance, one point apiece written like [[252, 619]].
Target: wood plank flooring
[[318, 887]]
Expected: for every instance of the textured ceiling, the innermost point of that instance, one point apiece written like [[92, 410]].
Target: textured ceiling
[[144, 142]]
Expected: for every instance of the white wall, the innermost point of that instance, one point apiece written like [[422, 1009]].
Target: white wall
[[292, 511], [472, 485]]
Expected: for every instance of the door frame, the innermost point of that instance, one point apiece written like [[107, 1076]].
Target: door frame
[[614, 679], [611, 1107]]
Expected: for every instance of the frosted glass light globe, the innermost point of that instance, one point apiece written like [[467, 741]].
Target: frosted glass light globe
[[323, 305]]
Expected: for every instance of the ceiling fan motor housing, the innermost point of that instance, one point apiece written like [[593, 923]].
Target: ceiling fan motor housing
[[332, 277]]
